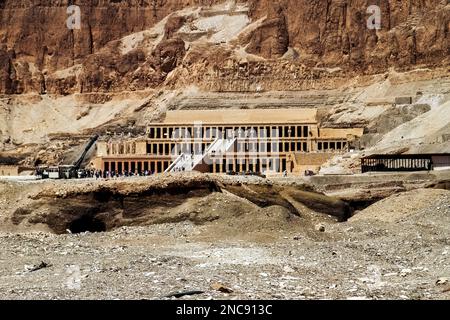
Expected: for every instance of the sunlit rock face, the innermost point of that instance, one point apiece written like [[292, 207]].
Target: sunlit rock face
[[135, 45]]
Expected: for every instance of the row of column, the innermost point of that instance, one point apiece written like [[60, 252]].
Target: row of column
[[273, 147], [136, 166], [396, 164], [331, 145], [168, 149], [121, 148], [208, 132], [249, 165]]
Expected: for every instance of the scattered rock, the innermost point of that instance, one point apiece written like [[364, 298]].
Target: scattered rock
[[405, 272], [288, 269], [320, 228], [217, 286], [183, 293], [36, 267]]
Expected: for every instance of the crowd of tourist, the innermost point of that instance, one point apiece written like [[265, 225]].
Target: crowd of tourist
[[99, 174]]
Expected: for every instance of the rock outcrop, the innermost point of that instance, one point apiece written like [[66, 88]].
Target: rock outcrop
[[40, 54]]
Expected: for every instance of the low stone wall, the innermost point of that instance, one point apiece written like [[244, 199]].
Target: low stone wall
[[309, 161], [9, 170]]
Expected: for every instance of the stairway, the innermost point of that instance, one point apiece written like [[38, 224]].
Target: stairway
[[188, 162]]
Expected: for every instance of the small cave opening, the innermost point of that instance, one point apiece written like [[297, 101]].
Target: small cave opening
[[103, 196], [87, 223], [358, 205]]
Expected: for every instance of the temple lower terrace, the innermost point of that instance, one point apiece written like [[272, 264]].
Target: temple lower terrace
[[224, 141]]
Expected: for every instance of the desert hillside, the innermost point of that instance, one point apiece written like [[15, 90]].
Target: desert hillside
[[130, 61]]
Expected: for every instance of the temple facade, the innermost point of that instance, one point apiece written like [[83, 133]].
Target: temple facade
[[223, 141]]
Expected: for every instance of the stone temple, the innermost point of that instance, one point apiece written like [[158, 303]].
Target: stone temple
[[267, 141]]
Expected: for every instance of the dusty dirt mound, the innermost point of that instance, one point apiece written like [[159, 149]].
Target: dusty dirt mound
[[406, 205], [201, 199], [295, 199], [229, 215]]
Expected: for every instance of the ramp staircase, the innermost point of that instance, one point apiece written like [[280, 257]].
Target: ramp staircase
[[189, 162]]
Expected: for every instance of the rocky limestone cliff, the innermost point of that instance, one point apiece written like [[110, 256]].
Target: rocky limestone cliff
[[38, 53], [334, 32], [131, 60]]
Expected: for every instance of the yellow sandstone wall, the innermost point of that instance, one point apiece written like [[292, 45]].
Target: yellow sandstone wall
[[141, 147], [102, 149], [6, 170], [301, 162]]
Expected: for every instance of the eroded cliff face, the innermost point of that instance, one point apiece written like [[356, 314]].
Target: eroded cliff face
[[142, 44], [335, 33], [34, 32]]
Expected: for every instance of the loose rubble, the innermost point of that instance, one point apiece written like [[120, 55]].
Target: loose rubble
[[369, 257]]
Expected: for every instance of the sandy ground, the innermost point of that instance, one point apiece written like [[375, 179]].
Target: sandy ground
[[398, 248]]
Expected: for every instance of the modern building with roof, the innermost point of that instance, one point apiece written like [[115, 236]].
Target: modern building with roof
[[405, 162], [227, 140]]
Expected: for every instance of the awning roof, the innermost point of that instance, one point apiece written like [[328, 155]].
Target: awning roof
[[406, 156]]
